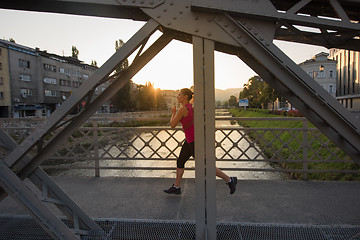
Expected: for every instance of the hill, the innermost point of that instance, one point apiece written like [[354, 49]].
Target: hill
[[223, 95]]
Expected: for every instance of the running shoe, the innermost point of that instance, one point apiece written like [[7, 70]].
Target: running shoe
[[173, 190], [232, 184]]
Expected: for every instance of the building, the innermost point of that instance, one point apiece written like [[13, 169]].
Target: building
[[170, 97], [348, 75], [322, 70], [5, 99], [34, 82]]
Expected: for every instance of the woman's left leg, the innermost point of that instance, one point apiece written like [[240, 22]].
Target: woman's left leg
[[222, 175]]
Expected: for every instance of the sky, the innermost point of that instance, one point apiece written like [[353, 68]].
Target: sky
[[95, 39]]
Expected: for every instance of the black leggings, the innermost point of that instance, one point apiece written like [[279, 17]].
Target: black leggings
[[186, 152]]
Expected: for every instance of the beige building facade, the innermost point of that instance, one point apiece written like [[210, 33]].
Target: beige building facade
[[5, 94], [348, 77]]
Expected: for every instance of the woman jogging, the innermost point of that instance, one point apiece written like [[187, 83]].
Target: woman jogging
[[185, 115]]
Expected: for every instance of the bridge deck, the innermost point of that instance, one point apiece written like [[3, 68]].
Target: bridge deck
[[274, 205]]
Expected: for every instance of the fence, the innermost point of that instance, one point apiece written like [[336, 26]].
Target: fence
[[300, 151]]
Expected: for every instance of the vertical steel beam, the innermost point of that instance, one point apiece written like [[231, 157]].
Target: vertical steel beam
[[205, 172]]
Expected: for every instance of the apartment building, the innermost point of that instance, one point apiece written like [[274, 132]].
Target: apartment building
[[5, 100], [322, 70], [348, 75], [38, 81]]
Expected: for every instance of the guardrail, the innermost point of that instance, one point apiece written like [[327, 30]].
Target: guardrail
[[300, 152]]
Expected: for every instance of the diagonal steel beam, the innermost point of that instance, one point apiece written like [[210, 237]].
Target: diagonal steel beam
[[308, 96], [42, 215], [55, 118], [64, 203], [115, 86], [31, 168]]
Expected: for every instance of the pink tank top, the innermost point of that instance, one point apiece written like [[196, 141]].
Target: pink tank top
[[188, 123]]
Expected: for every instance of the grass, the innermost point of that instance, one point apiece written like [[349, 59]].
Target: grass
[[320, 147]]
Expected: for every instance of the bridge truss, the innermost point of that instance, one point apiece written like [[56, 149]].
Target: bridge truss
[[244, 28]]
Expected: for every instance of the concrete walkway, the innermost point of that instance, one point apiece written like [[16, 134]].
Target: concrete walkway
[[255, 201]]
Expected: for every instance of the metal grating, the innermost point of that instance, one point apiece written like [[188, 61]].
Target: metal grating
[[25, 228]]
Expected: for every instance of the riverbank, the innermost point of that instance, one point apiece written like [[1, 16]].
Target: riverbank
[[322, 153]]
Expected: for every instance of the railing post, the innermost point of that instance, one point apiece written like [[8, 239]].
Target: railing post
[[96, 148], [305, 149]]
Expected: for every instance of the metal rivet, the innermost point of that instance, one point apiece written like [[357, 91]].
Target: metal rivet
[[219, 18], [181, 12], [134, 1], [209, 33], [165, 10], [159, 16], [239, 36], [196, 30], [196, 18], [243, 22], [171, 3], [261, 38], [267, 44], [256, 33], [232, 30], [169, 23], [174, 18], [226, 25], [209, 19], [152, 3], [142, 2], [124, 0], [249, 27], [186, 6], [245, 42]]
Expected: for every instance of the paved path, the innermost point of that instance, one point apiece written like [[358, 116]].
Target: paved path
[[255, 201]]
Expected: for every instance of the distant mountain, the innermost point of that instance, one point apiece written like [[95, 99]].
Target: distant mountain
[[224, 95]]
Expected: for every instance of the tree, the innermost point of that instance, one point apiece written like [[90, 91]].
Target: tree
[[233, 101], [75, 52], [12, 40], [258, 92], [150, 98], [118, 44], [122, 100], [94, 63]]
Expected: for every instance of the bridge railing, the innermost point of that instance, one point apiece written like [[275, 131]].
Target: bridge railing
[[300, 151]]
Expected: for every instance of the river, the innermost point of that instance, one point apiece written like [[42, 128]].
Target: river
[[243, 144]]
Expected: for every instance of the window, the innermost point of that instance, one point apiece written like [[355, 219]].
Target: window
[[25, 92], [321, 71], [85, 76], [331, 73], [24, 63], [50, 80], [64, 71], [1, 81], [76, 73], [1, 95], [0, 51], [331, 89], [25, 78], [76, 84], [49, 67], [64, 82], [51, 93], [0, 66]]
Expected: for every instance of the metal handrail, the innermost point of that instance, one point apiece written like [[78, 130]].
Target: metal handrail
[[234, 144]]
